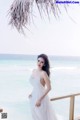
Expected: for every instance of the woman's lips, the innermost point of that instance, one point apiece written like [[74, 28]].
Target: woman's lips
[[39, 65]]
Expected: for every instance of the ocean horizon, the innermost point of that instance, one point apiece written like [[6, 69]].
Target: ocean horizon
[[34, 56]]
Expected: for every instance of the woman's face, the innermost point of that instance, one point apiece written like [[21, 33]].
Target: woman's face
[[40, 62]]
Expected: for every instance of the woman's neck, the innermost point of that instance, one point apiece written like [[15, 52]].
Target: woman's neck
[[39, 69]]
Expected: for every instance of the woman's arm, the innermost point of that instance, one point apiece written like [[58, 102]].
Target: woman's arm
[[47, 82]]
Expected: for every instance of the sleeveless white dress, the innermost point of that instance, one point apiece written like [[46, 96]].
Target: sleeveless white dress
[[45, 110]]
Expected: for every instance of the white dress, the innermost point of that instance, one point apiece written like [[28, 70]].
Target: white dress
[[45, 110]]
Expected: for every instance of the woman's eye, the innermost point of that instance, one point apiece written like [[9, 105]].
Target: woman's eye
[[40, 61]]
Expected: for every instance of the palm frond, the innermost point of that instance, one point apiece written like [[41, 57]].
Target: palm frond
[[21, 11]]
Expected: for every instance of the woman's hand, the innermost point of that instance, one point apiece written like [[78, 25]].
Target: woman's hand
[[38, 103]]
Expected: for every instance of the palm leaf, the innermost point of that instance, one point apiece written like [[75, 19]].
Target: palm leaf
[[21, 11]]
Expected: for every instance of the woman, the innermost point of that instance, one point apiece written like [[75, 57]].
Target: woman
[[39, 100]]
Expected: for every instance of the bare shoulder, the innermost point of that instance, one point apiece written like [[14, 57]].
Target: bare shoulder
[[44, 74], [45, 77], [33, 70]]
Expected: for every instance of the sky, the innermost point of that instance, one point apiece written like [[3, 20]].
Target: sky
[[57, 36]]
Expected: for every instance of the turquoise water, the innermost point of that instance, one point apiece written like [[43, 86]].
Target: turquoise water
[[15, 86]]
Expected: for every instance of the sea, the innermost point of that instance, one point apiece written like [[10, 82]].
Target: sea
[[15, 71]]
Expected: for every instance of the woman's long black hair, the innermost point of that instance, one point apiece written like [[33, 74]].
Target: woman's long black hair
[[46, 67]]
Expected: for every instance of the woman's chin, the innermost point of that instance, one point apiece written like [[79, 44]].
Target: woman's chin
[[39, 67]]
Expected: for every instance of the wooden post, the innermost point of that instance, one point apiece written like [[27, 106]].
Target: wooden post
[[72, 102], [71, 115]]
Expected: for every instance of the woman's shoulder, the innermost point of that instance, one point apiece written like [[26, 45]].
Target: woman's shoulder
[[44, 72], [34, 70]]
